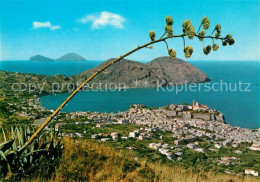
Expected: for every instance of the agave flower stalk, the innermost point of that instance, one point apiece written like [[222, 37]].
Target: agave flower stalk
[[188, 31]]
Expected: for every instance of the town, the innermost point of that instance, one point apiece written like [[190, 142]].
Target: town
[[169, 130], [177, 134]]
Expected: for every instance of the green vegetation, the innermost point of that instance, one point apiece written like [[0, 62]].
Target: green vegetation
[[208, 161], [86, 160], [39, 159]]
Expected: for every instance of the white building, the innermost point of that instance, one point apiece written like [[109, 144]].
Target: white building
[[166, 145], [104, 139], [94, 136], [114, 134], [199, 150], [101, 125], [78, 135], [155, 145], [238, 152], [255, 147], [217, 146], [141, 137], [123, 121], [125, 137], [163, 151], [191, 145], [251, 171], [132, 134]]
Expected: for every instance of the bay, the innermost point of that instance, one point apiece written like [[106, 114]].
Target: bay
[[241, 108]]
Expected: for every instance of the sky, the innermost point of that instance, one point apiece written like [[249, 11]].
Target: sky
[[99, 30]]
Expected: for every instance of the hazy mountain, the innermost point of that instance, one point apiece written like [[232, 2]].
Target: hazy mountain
[[66, 57], [71, 57], [40, 58]]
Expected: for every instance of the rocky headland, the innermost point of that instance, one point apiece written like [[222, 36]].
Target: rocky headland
[[162, 70]]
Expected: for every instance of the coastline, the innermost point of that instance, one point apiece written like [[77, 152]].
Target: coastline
[[224, 101]]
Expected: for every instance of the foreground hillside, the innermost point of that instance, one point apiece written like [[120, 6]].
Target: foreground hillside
[[84, 160]]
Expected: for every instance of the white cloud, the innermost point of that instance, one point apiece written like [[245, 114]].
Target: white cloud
[[104, 18], [47, 24]]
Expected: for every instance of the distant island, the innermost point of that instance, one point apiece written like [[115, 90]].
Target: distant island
[[66, 57], [40, 58], [71, 57]]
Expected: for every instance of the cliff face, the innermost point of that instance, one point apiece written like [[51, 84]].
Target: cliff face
[[162, 70]]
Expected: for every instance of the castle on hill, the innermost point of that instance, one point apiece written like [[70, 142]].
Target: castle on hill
[[199, 107]]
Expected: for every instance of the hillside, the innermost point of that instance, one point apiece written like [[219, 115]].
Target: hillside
[[162, 70]]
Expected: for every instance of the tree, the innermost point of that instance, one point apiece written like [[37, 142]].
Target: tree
[[188, 31]]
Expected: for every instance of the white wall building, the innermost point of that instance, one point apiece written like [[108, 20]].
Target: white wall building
[[251, 172]]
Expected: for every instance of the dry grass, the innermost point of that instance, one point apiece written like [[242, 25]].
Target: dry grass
[[91, 161]]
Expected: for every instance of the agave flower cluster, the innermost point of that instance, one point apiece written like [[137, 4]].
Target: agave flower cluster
[[218, 29], [168, 27], [189, 31], [215, 47], [14, 165], [205, 22], [172, 53], [206, 50], [152, 35], [201, 35], [188, 50], [228, 40]]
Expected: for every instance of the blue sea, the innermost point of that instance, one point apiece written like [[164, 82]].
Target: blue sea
[[239, 104]]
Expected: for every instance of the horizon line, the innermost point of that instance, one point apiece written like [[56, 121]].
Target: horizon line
[[133, 60]]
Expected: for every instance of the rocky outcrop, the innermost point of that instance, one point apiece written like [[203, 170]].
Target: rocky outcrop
[[132, 74]]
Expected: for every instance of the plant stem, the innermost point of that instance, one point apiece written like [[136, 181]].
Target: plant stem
[[183, 42], [166, 45], [49, 119], [199, 28]]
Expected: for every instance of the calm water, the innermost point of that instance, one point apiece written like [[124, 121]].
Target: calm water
[[241, 108], [67, 68]]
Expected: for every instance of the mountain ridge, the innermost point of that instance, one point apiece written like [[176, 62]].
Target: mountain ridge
[[162, 70]]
